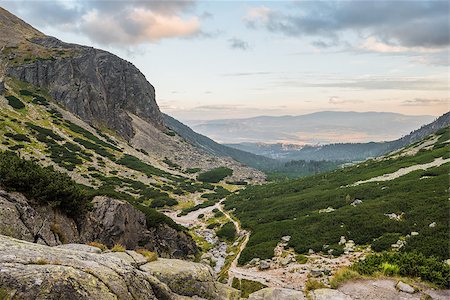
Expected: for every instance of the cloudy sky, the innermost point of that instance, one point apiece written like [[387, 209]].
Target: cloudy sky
[[226, 59]]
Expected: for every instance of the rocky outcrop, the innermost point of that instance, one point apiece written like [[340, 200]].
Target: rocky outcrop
[[110, 222], [32, 271], [96, 85]]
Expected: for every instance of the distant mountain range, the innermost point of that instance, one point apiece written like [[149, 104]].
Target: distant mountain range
[[342, 151], [317, 128]]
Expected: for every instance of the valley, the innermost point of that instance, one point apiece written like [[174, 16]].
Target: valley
[[103, 196]]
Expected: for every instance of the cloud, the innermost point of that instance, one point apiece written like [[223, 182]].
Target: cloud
[[426, 102], [376, 83], [395, 23], [247, 74], [114, 22], [238, 44], [338, 101]]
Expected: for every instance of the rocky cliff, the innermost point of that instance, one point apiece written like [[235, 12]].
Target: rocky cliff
[[96, 85], [109, 222]]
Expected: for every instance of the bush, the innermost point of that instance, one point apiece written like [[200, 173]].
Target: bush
[[45, 185], [151, 256], [312, 284], [118, 248], [227, 231], [246, 286], [98, 245], [215, 175], [301, 259], [343, 275], [14, 102], [410, 264], [201, 216], [385, 241], [154, 218]]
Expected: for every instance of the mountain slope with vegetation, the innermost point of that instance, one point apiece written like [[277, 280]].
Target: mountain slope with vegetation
[[359, 203], [101, 89]]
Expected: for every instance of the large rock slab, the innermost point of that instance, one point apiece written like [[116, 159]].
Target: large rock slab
[[183, 277], [328, 294], [277, 294], [35, 271]]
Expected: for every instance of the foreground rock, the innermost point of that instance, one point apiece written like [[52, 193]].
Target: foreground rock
[[276, 294], [33, 271], [110, 222]]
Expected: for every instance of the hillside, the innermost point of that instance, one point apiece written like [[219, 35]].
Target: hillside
[[324, 127], [342, 151], [102, 90], [380, 202]]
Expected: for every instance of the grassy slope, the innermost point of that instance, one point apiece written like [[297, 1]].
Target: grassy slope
[[292, 208], [100, 161]]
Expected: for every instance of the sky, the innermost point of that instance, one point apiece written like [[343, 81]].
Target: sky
[[235, 59]]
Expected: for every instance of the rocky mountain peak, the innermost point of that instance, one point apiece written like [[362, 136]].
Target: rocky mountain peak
[[96, 85]]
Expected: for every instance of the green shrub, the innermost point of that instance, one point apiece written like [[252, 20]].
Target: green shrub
[[45, 185], [410, 264], [246, 286], [385, 241], [215, 175], [227, 231], [26, 93], [18, 137], [14, 102], [193, 170]]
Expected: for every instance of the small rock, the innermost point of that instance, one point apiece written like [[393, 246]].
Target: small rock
[[432, 225], [286, 238], [342, 241], [310, 251], [264, 265], [316, 273], [414, 233], [356, 202], [401, 286], [326, 210]]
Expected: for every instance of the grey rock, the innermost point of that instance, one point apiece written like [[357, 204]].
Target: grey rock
[[277, 294], [184, 278], [264, 265], [404, 287], [35, 271], [80, 247], [96, 85], [328, 294], [2, 87]]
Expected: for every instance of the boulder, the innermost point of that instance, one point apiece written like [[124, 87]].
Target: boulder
[[328, 294], [277, 294], [183, 277], [404, 287], [264, 265], [227, 293], [33, 271]]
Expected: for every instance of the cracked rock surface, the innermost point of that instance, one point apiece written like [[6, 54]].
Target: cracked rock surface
[[33, 271]]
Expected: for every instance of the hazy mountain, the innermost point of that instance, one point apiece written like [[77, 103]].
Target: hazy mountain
[[342, 151], [316, 128]]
